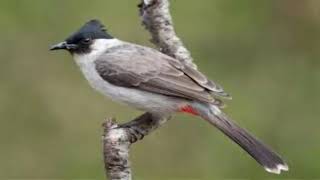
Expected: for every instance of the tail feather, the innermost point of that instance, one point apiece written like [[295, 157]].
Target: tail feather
[[271, 161]]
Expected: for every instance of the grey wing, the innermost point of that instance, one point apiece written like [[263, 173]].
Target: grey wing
[[200, 78], [150, 70]]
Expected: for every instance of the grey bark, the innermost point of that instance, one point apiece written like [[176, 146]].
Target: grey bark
[[156, 18], [117, 139]]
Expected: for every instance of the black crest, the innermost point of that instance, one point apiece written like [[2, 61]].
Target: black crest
[[93, 29]]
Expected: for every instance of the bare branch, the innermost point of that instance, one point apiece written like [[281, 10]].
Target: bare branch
[[116, 151], [118, 138], [156, 18]]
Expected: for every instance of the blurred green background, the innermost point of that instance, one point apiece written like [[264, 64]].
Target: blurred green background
[[264, 53]]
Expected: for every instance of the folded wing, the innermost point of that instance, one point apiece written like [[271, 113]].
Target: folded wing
[[134, 66]]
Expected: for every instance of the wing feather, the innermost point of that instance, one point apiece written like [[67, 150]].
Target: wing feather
[[147, 69]]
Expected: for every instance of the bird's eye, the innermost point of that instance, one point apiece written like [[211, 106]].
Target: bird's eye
[[86, 40]]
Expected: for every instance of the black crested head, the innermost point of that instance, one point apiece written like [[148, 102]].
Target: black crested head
[[80, 41], [93, 29], [84, 37]]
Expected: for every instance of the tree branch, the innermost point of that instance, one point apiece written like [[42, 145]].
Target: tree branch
[[156, 18], [117, 139]]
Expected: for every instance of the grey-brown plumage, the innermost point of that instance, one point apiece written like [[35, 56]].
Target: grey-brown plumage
[[144, 68], [264, 155]]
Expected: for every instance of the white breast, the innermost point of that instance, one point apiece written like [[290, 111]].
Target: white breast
[[139, 99]]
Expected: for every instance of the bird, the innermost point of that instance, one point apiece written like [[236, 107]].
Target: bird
[[149, 80]]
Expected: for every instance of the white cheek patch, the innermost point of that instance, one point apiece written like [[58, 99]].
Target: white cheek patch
[[98, 47], [104, 44]]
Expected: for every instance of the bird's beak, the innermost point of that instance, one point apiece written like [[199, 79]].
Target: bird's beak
[[63, 45]]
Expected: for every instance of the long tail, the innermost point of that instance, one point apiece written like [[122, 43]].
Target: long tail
[[271, 161]]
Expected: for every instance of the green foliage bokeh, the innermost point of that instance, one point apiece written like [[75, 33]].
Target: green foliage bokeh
[[264, 53]]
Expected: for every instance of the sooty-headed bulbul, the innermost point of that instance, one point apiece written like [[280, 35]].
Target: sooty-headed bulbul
[[149, 80]]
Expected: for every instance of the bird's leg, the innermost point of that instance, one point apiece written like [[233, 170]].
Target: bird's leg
[[143, 125]]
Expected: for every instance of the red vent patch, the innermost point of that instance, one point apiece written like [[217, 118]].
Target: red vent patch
[[188, 109]]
